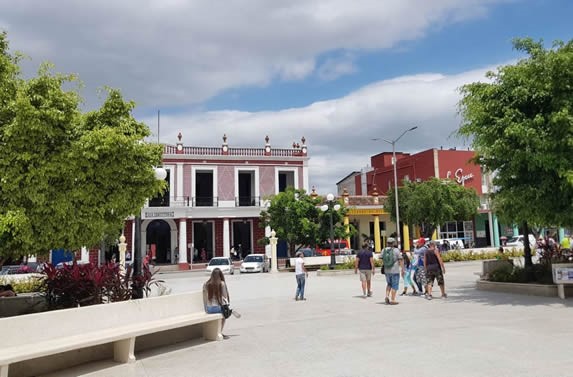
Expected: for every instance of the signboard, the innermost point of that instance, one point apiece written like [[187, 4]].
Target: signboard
[[459, 176], [480, 233], [563, 273], [160, 214]]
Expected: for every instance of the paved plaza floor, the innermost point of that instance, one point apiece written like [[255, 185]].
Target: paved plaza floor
[[337, 333]]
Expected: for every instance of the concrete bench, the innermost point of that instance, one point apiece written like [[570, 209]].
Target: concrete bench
[[50, 341]]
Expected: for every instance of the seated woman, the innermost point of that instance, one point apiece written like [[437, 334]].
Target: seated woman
[[7, 291], [215, 294]]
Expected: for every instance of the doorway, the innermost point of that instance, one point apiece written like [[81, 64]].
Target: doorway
[[242, 237], [158, 238], [202, 241]]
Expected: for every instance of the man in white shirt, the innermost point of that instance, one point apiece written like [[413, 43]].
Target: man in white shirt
[[301, 273]]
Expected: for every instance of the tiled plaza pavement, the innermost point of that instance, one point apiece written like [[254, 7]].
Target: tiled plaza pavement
[[338, 333]]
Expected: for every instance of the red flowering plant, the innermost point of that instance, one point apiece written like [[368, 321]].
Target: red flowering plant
[[74, 285]]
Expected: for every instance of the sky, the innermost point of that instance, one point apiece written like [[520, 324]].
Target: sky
[[338, 72]]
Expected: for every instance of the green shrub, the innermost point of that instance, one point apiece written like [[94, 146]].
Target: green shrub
[[27, 285]]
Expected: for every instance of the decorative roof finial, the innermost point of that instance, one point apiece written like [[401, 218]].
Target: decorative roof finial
[[313, 193], [224, 138], [267, 139], [303, 140], [179, 136]]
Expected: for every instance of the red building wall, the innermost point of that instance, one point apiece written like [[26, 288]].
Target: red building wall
[[258, 233], [423, 166], [457, 164]]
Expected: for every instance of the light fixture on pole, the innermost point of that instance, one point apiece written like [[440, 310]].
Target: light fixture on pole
[[160, 175], [330, 206], [394, 163]]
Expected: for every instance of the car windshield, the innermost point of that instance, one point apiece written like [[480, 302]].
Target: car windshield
[[219, 262], [253, 258]]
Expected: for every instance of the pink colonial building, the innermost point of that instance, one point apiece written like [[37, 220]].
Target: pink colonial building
[[214, 199]]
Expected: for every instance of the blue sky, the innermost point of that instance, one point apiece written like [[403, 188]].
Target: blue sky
[[334, 71], [447, 49]]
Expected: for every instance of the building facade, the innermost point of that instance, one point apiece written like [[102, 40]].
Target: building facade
[[214, 199], [481, 231]]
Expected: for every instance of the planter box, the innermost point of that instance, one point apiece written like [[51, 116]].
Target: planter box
[[488, 266], [25, 303], [545, 290]]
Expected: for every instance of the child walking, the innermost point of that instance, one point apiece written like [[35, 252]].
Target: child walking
[[408, 276]]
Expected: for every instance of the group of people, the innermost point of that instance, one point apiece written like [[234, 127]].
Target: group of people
[[419, 273]]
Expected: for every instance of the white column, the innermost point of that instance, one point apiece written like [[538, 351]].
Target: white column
[[122, 247], [183, 265], [268, 250], [179, 183], [274, 265], [132, 239], [491, 235], [85, 254], [226, 239]]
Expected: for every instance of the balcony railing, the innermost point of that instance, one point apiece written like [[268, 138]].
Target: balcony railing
[[247, 201], [205, 201]]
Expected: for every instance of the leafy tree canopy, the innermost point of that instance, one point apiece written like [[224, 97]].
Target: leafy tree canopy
[[520, 123], [67, 178], [296, 218], [432, 203]]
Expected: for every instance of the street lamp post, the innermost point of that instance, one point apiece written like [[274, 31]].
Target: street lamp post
[[160, 174], [394, 163], [330, 206]]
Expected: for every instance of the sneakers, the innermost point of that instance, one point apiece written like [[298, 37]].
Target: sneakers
[[226, 336], [403, 294], [387, 300], [369, 294], [429, 297], [415, 293], [296, 298], [445, 295], [236, 313]]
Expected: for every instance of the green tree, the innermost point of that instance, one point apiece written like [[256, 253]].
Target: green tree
[[520, 122], [432, 203], [67, 178], [296, 218]]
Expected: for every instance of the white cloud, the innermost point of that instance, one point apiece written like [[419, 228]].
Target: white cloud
[[339, 131], [333, 68], [169, 53]]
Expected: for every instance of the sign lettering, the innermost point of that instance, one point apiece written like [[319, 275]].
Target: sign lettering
[[159, 214], [459, 176]]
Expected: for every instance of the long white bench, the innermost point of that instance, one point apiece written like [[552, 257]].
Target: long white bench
[[50, 341]]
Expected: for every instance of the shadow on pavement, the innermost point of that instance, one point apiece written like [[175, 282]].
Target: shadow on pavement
[[469, 293]]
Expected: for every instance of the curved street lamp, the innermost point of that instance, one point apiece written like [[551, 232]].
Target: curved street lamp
[[331, 206], [394, 162]]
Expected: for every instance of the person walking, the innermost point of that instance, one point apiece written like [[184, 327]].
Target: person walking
[[418, 265], [393, 266], [408, 267], [301, 274], [435, 270], [364, 262], [216, 295]]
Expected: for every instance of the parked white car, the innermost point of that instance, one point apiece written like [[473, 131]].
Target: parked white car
[[255, 263], [222, 263], [517, 241]]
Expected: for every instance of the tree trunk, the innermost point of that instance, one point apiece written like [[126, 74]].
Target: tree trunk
[[526, 246]]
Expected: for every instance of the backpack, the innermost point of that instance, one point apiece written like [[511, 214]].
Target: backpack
[[388, 258]]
